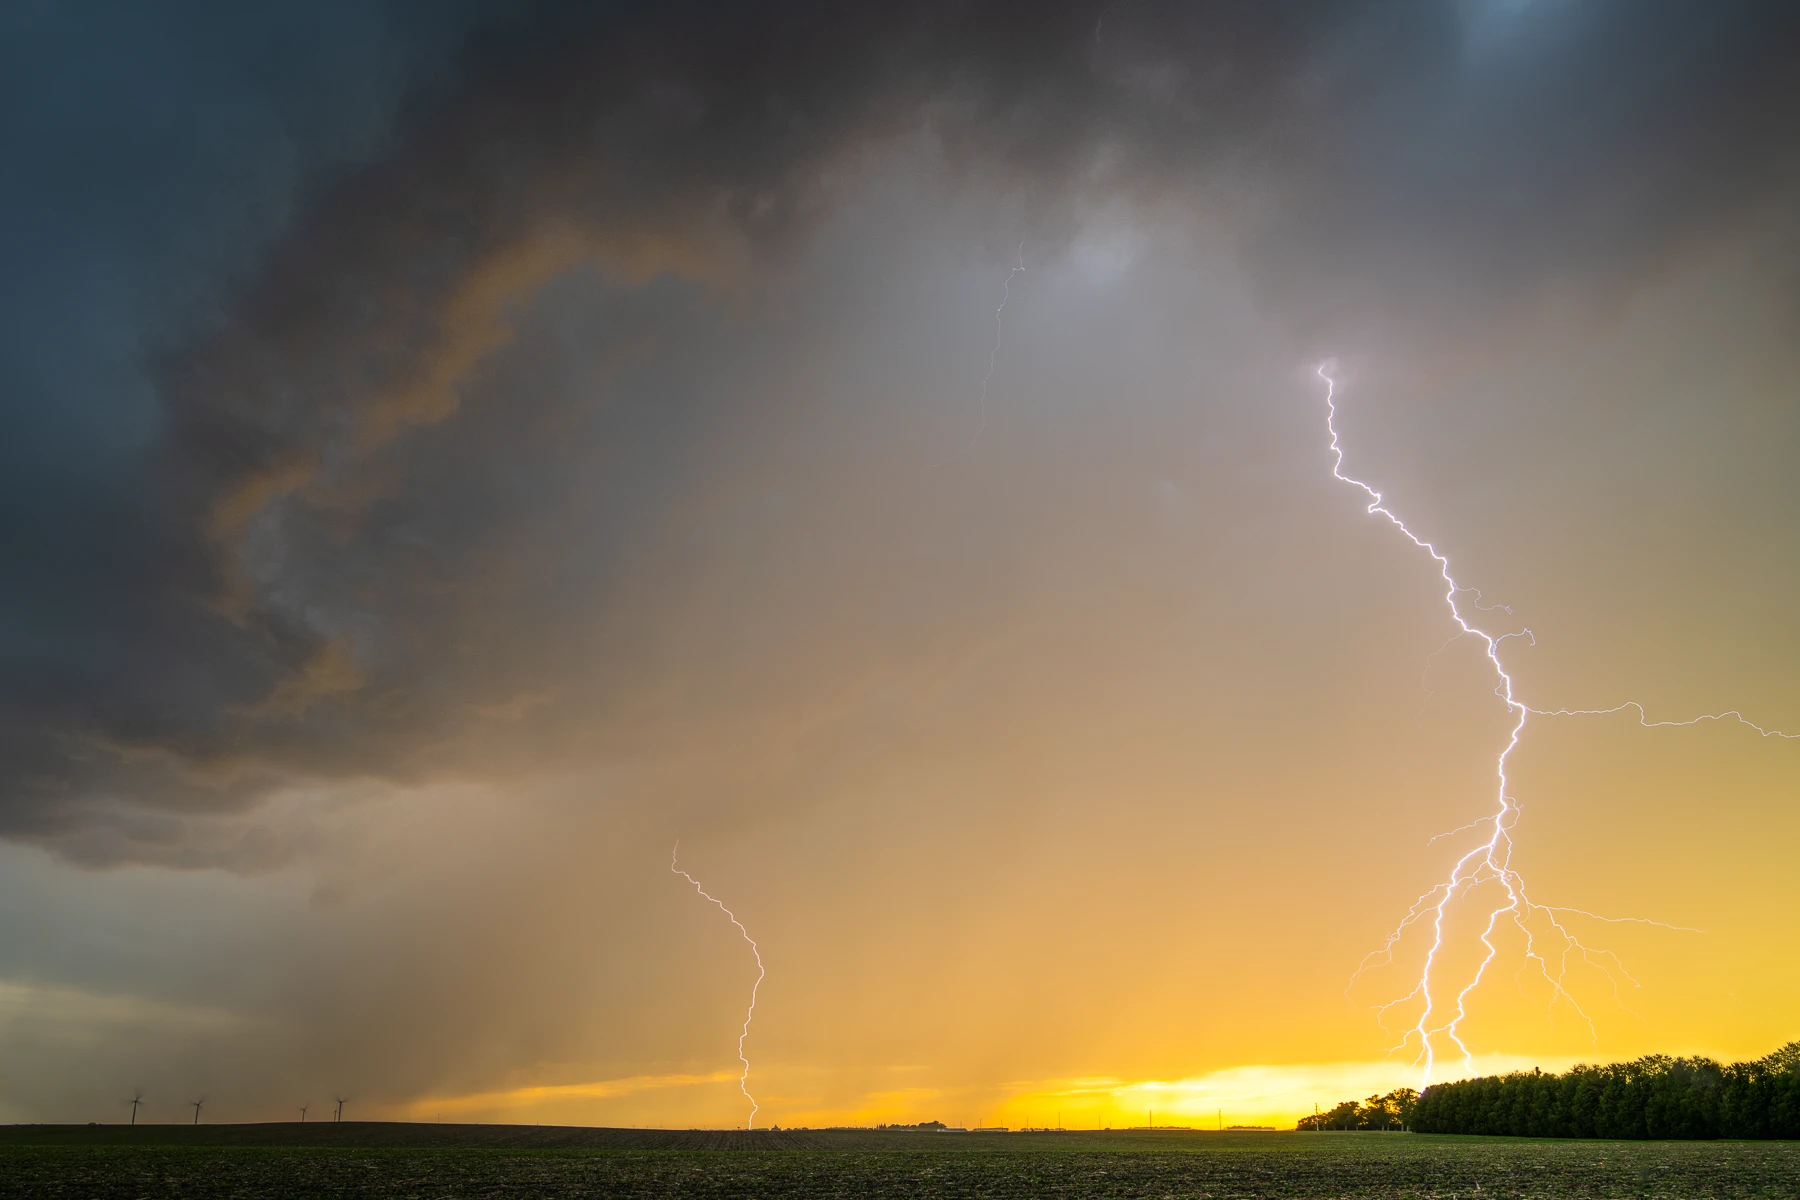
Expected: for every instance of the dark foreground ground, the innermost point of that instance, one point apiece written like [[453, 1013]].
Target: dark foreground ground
[[358, 1159]]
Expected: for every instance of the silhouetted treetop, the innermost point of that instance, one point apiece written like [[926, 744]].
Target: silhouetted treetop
[[1653, 1097]]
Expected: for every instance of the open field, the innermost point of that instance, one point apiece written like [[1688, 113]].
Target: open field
[[357, 1159]]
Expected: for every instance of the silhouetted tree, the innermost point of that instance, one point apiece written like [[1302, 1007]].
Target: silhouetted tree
[[1376, 1114], [1654, 1097]]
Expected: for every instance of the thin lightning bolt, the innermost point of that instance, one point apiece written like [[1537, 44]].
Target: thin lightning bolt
[[1491, 860], [744, 1079]]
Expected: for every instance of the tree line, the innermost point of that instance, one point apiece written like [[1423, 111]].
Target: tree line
[[1655, 1097], [1377, 1114]]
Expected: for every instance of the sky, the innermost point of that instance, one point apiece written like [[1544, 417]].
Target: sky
[[457, 451]]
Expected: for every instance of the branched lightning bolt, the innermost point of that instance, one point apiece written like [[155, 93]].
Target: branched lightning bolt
[[744, 1079], [1491, 860]]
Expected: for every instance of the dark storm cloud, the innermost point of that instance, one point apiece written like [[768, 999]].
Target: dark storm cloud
[[154, 158], [1497, 149], [349, 357]]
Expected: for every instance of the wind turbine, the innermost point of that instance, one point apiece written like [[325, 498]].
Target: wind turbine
[[303, 1114], [340, 1110], [137, 1098], [197, 1104]]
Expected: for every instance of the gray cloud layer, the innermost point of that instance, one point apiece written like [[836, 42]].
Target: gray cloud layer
[[370, 378]]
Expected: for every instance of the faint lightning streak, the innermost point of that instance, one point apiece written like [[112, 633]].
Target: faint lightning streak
[[994, 353], [1491, 861], [744, 1079], [1647, 723], [1102, 17], [1438, 837], [1582, 912], [1425, 686]]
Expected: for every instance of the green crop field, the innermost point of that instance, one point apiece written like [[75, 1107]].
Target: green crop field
[[359, 1159]]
